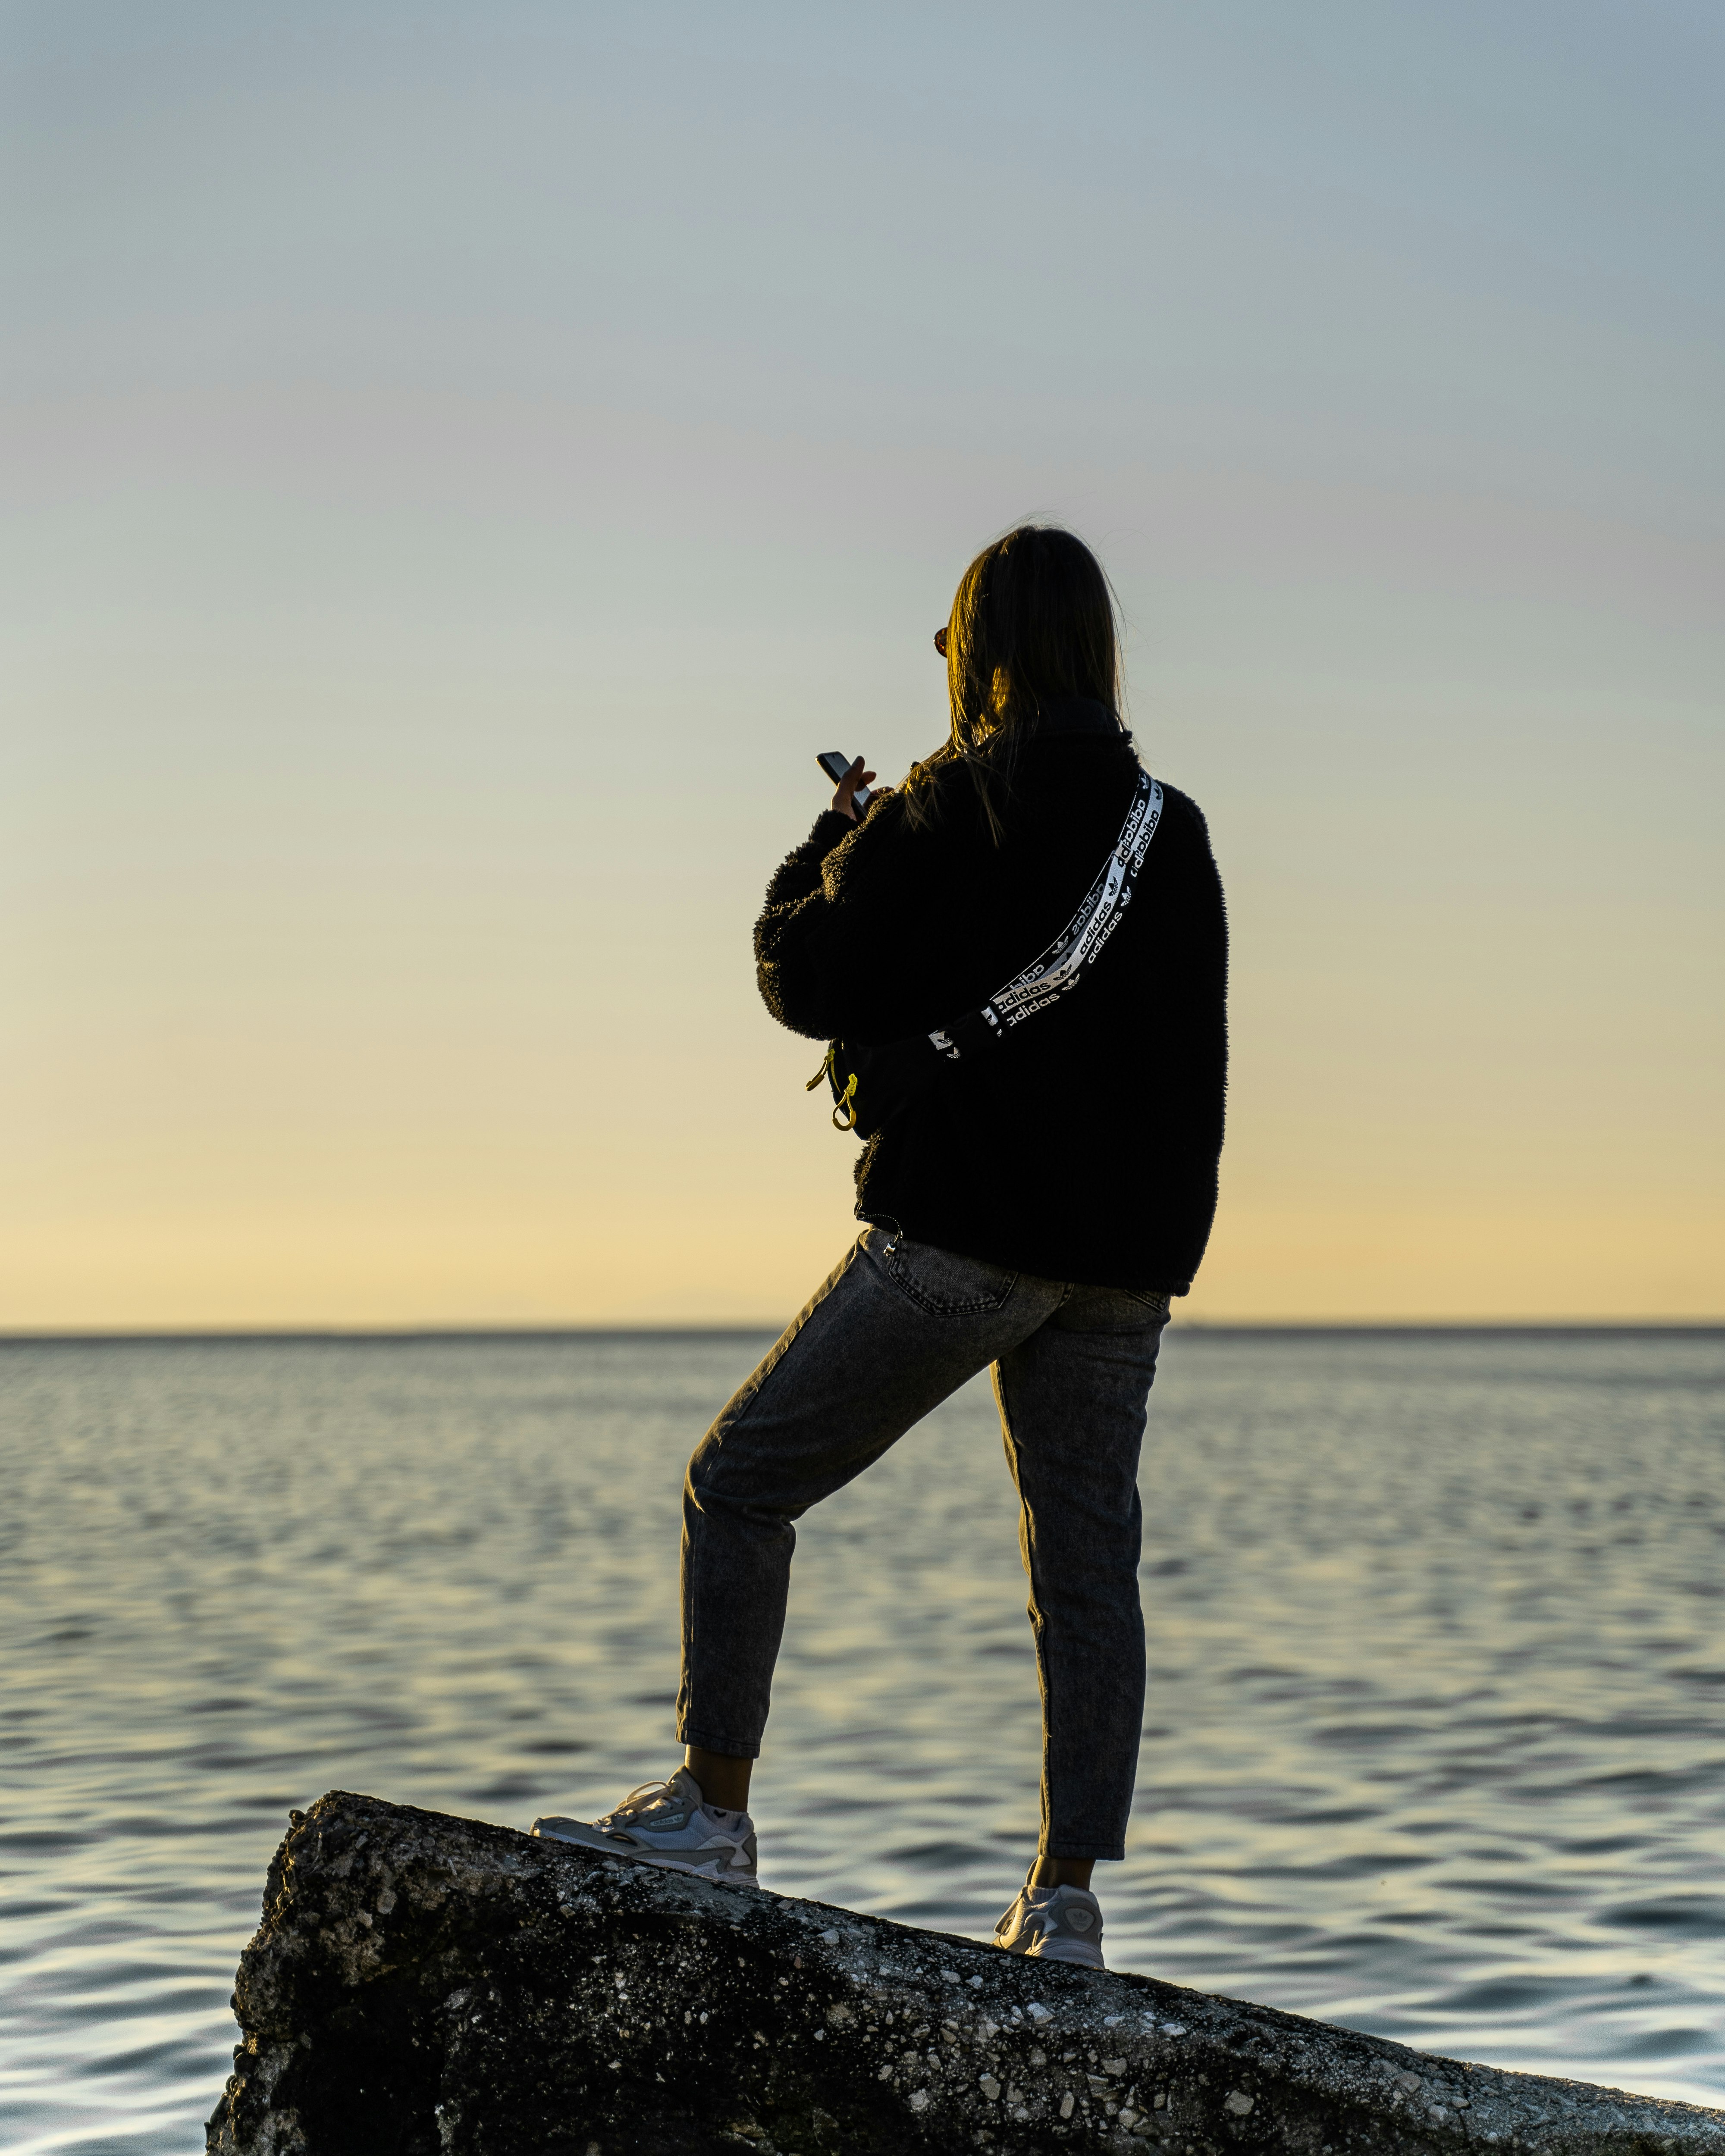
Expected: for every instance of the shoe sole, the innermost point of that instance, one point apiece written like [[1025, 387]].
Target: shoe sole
[[710, 1873]]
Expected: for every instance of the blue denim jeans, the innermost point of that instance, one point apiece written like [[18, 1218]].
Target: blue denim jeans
[[896, 1328]]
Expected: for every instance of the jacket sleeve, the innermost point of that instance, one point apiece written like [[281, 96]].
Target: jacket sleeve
[[825, 942], [798, 875]]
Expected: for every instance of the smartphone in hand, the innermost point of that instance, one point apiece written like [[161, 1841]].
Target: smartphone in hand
[[835, 764]]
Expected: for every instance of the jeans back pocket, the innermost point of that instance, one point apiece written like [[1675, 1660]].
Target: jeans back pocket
[[941, 1281]]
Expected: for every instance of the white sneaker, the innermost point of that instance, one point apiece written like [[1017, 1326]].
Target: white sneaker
[[1054, 1923], [670, 1825]]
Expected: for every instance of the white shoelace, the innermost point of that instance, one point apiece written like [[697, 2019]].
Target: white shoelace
[[632, 1808]]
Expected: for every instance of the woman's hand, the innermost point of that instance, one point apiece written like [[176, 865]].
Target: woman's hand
[[843, 797]]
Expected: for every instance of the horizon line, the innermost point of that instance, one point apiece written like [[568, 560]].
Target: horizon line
[[626, 1328]]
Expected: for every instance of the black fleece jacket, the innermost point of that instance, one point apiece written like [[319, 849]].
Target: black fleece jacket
[[1085, 1146]]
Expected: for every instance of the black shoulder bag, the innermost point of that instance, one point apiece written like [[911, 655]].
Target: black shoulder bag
[[870, 1084]]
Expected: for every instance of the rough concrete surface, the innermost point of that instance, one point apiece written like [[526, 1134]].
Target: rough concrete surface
[[422, 1984]]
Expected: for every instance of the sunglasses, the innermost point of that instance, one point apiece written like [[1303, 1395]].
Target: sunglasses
[[940, 642]]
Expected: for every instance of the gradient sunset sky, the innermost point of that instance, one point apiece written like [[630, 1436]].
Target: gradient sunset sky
[[461, 463]]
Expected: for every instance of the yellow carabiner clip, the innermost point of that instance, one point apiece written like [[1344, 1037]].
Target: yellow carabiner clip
[[845, 1113]]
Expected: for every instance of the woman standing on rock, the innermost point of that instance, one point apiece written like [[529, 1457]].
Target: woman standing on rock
[[1039, 1177]]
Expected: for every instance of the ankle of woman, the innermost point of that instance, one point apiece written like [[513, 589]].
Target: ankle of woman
[[723, 1780], [1062, 1872]]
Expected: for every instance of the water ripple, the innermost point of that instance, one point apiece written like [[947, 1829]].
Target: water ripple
[[1433, 1628]]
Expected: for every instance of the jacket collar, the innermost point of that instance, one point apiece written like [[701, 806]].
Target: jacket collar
[[1076, 715]]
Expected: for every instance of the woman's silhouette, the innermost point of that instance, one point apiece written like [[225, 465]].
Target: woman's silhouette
[[1031, 1205]]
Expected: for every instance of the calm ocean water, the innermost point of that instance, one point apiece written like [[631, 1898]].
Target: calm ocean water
[[1433, 1744]]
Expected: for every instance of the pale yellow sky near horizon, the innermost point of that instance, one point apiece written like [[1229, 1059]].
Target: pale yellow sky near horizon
[[454, 492]]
